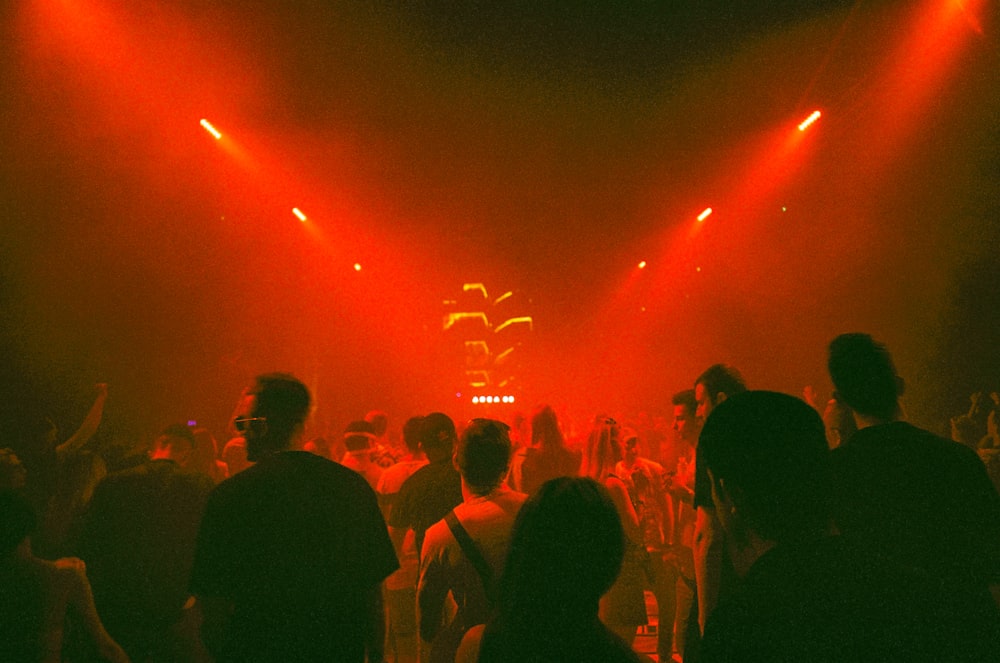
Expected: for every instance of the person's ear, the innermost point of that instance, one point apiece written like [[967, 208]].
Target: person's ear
[[720, 397]]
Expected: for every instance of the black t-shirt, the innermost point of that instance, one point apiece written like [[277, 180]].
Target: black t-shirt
[[921, 499], [426, 497], [828, 600], [297, 543]]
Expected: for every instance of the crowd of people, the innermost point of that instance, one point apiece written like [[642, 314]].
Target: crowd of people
[[766, 527]]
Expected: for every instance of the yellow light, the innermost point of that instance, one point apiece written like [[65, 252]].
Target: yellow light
[[642, 264], [809, 120], [210, 129], [705, 214], [297, 212], [357, 266]]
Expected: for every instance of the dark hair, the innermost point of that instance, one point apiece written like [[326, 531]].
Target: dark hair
[[721, 379], [483, 454], [379, 421], [179, 430], [687, 399], [770, 451], [284, 401], [411, 433], [566, 550], [359, 435], [437, 434], [864, 375], [17, 520], [545, 431]]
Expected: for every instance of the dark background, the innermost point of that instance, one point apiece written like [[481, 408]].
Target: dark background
[[539, 147]]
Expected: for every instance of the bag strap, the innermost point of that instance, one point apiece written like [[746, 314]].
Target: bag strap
[[473, 553]]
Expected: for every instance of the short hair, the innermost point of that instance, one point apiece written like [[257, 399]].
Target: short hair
[[770, 451], [864, 375], [379, 421], [483, 454], [284, 401], [178, 430], [411, 433], [437, 433], [721, 379], [17, 520], [687, 399]]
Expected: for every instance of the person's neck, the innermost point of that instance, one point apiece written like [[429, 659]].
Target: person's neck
[[867, 420], [470, 494]]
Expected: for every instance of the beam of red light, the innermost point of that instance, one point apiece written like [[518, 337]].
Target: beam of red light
[[210, 129], [809, 120]]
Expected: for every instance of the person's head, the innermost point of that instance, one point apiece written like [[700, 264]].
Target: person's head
[[864, 376], [411, 434], [545, 430], [686, 423], [17, 521], [482, 456], [768, 460], [176, 442], [630, 445], [603, 449], [276, 414], [715, 385], [13, 476], [379, 421], [359, 436], [566, 550], [438, 437]]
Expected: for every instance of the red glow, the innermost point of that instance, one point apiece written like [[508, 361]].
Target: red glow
[[809, 121], [705, 214]]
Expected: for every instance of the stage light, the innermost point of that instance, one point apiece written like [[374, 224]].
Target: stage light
[[475, 400], [511, 399], [210, 129], [297, 212], [357, 266], [809, 120], [705, 214], [642, 264]]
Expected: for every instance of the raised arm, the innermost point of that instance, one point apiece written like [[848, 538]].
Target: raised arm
[[89, 425]]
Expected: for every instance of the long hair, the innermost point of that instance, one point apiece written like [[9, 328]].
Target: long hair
[[602, 451], [545, 431]]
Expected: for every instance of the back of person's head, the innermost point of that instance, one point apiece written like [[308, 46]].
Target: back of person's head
[[603, 449], [483, 454], [438, 436], [359, 436], [284, 402], [545, 431], [864, 375], [768, 451], [566, 550], [685, 398], [379, 421], [721, 379], [17, 521], [175, 434], [411, 433]]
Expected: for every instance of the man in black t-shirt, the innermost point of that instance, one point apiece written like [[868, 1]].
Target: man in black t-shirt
[[292, 551], [432, 491]]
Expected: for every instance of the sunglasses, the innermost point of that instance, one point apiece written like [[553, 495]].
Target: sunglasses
[[245, 424]]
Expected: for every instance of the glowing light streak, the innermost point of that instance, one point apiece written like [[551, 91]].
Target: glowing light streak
[[452, 318], [516, 321], [504, 296], [642, 264], [298, 213], [503, 355], [809, 120], [210, 129], [468, 287], [705, 214]]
